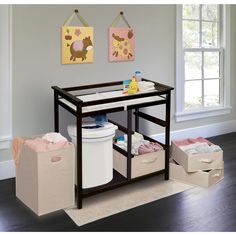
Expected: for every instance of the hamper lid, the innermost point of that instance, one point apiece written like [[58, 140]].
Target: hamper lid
[[91, 130]]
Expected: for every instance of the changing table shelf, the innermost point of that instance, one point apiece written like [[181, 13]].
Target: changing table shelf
[[96, 99], [117, 181], [106, 107]]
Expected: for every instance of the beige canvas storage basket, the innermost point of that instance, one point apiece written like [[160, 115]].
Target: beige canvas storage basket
[[199, 178], [45, 181], [140, 165], [196, 162]]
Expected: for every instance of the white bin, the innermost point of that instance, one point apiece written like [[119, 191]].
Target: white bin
[[97, 153]]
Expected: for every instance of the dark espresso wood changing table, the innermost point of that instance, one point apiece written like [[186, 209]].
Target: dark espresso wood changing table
[[108, 98]]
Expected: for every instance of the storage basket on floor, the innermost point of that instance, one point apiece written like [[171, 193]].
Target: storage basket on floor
[[45, 180], [196, 162], [204, 178]]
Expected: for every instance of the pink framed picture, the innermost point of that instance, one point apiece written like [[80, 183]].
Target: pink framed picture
[[121, 44]]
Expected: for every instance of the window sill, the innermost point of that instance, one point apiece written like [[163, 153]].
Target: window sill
[[192, 115]]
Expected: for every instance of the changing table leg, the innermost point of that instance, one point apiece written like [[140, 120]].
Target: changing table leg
[[136, 120], [167, 136], [129, 144], [79, 156]]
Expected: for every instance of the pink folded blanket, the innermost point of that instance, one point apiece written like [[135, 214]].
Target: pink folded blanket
[[42, 145], [188, 141], [149, 147]]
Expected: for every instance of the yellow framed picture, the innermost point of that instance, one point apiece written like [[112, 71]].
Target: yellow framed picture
[[77, 44]]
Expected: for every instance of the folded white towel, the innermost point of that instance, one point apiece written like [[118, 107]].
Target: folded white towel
[[215, 148], [136, 137], [146, 86], [54, 137], [200, 147], [137, 140]]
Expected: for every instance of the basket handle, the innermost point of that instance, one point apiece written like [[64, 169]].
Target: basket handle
[[149, 161], [216, 175], [56, 159], [207, 160]]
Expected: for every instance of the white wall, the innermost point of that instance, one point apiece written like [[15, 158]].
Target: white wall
[[5, 77], [37, 63]]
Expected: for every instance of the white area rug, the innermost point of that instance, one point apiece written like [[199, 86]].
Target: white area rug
[[114, 201]]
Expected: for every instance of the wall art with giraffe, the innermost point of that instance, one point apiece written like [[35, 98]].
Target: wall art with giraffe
[[121, 44]]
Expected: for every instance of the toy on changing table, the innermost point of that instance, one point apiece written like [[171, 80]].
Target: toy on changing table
[[126, 86], [133, 86], [138, 76]]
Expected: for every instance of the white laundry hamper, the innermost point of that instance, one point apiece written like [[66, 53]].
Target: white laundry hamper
[[97, 153]]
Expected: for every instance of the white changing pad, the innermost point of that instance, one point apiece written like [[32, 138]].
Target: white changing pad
[[105, 95]]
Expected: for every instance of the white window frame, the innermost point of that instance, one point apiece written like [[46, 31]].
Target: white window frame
[[5, 76], [224, 108]]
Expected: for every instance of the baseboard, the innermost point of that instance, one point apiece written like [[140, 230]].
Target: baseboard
[[7, 169], [203, 131]]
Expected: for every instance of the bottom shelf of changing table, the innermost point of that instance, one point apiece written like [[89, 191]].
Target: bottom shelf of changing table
[[117, 181]]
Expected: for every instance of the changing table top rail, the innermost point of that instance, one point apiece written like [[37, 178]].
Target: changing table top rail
[[69, 97], [92, 86], [64, 93]]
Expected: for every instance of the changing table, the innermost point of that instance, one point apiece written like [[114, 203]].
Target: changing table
[[97, 99]]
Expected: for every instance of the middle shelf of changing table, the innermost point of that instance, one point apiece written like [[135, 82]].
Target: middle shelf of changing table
[[123, 104]]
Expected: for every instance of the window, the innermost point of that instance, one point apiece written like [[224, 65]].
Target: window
[[202, 61], [5, 77]]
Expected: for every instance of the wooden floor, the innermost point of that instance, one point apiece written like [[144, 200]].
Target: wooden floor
[[197, 209]]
